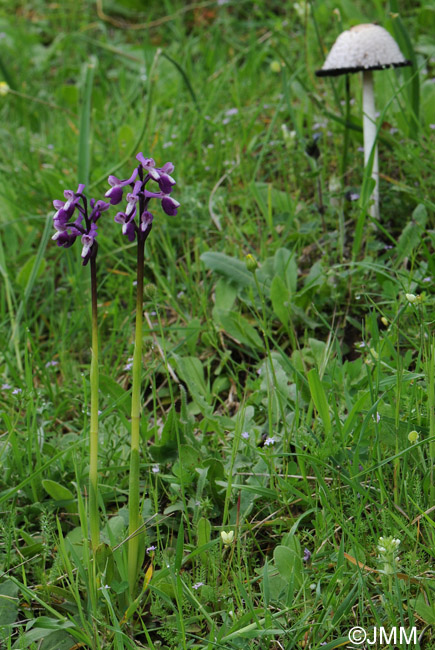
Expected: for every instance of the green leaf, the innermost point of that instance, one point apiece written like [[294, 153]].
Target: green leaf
[[225, 295], [289, 564], [26, 271], [203, 531], [412, 234], [167, 449], [230, 267], [110, 388], [280, 297], [191, 371], [8, 603], [285, 266], [319, 398], [57, 491], [239, 328], [427, 612]]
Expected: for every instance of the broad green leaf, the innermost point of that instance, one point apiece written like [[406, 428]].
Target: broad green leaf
[[8, 603], [191, 371], [239, 328], [225, 295], [427, 612], [232, 268], [289, 564], [57, 491], [167, 448]]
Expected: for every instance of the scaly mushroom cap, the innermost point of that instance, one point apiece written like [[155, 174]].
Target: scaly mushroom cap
[[363, 47]]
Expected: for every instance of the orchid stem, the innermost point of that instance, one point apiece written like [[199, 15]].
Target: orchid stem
[[133, 490], [93, 440]]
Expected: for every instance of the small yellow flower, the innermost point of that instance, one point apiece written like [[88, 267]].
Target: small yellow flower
[[275, 66], [384, 321], [413, 436], [4, 88], [227, 537]]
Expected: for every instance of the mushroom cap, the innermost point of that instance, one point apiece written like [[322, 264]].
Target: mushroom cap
[[363, 47]]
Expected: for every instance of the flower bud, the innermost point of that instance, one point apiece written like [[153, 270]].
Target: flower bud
[[251, 263], [150, 291]]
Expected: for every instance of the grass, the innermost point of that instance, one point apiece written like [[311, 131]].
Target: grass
[[277, 402]]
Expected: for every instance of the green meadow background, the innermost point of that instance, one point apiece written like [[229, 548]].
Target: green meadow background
[[278, 402]]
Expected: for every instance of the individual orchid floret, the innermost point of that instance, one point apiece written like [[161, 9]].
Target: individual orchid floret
[[97, 208], [146, 220], [66, 208], [128, 225], [132, 199], [117, 188], [166, 182], [88, 241], [149, 166], [169, 204]]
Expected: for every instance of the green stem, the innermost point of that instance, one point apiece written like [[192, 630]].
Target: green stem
[[133, 489], [93, 439]]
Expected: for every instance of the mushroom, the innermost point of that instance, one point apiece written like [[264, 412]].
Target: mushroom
[[365, 47]]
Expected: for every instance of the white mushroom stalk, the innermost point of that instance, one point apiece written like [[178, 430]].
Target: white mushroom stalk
[[365, 48], [369, 132]]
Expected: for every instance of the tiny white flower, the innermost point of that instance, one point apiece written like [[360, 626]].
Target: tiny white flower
[[410, 297], [227, 537], [269, 441]]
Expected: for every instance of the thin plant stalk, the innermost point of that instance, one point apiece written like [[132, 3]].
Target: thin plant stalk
[[133, 501], [93, 439]]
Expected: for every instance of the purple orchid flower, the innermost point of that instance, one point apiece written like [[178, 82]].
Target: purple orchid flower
[[139, 197], [84, 226], [117, 187]]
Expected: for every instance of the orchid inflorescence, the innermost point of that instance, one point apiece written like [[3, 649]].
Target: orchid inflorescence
[[85, 225], [140, 197]]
